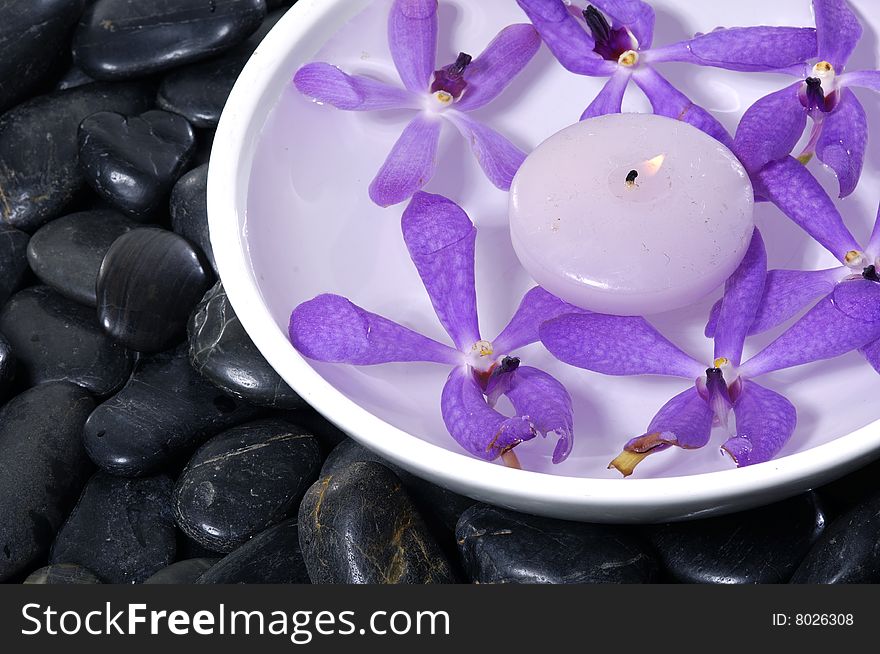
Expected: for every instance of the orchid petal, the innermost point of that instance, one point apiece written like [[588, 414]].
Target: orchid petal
[[871, 352], [615, 345], [537, 307], [502, 60], [786, 292], [742, 297], [789, 185], [440, 239], [331, 328], [764, 422], [635, 15], [844, 140], [479, 429], [669, 101], [610, 98], [859, 299], [824, 332], [838, 31], [547, 405], [771, 128], [412, 36], [867, 79], [499, 158], [874, 242], [411, 163], [566, 37], [327, 84], [746, 49], [684, 421]]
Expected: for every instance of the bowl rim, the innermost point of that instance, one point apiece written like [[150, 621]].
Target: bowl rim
[[601, 500]]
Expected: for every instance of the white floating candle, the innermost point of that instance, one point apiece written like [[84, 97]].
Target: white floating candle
[[631, 214]]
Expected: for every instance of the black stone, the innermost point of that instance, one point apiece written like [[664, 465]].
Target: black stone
[[43, 467], [221, 350], [121, 529], [73, 78], [56, 339], [67, 253], [199, 92], [149, 283], [7, 367], [120, 39], [189, 210], [359, 526], [13, 260], [849, 550], [432, 501], [762, 546], [162, 415], [503, 547], [182, 572], [40, 175], [63, 574], [133, 163], [243, 481], [34, 37], [272, 557]]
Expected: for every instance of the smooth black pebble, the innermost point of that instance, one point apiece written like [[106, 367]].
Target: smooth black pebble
[[121, 529], [431, 500], [120, 39], [498, 546], [243, 481], [761, 546], [13, 260], [199, 92], [56, 339], [221, 350], [39, 148], [134, 162], [149, 283], [182, 572], [272, 557], [359, 526], [849, 550], [189, 210], [67, 253], [34, 40], [62, 574], [43, 468], [165, 411]]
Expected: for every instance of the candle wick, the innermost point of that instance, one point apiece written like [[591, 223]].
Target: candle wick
[[631, 178]]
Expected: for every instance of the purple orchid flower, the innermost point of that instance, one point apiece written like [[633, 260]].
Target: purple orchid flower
[[584, 41], [440, 238], [787, 292], [765, 420], [772, 127], [448, 93]]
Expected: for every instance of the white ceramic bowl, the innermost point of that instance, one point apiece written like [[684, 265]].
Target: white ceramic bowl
[[290, 218]]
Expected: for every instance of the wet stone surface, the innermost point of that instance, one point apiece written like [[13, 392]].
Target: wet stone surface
[[359, 526], [165, 411], [13, 260], [62, 574], [133, 162], [499, 546], [221, 350], [243, 481], [56, 339], [186, 571], [121, 529], [189, 210], [148, 284]]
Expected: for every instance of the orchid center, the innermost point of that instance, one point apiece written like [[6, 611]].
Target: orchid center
[[870, 273], [856, 260], [819, 92], [481, 357], [614, 44], [449, 84]]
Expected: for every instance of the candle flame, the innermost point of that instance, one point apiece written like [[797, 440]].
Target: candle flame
[[653, 166]]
